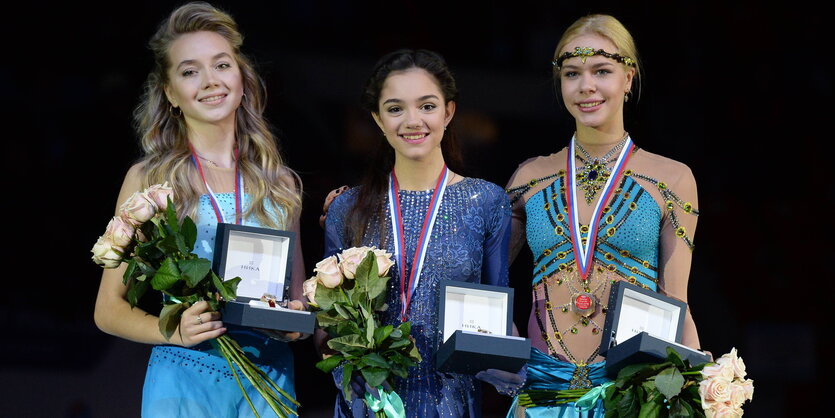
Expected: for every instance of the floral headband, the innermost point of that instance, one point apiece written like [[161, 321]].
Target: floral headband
[[586, 52]]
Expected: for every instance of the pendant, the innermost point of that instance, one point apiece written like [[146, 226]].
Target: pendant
[[583, 304], [592, 178]]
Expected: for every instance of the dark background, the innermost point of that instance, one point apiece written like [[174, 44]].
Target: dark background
[[738, 91]]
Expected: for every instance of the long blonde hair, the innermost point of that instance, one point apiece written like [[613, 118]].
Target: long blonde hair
[[164, 136], [610, 28]]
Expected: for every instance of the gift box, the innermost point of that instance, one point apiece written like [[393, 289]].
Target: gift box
[[477, 325], [263, 259], [640, 325]]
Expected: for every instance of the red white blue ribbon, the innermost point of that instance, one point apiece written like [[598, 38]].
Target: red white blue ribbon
[[239, 188], [584, 254], [423, 241]]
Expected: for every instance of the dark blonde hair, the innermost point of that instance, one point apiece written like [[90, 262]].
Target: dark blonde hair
[[164, 136], [610, 28]]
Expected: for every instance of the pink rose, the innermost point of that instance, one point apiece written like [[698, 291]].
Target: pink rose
[[737, 394], [328, 273], [713, 390], [119, 232], [309, 288], [724, 371], [748, 387], [350, 259], [159, 194], [138, 209], [734, 362], [106, 254], [722, 410], [384, 262]]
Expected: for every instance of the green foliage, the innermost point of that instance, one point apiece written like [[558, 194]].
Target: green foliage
[[164, 261], [650, 390], [349, 314]]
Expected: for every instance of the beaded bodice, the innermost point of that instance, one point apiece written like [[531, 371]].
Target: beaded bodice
[[627, 241]]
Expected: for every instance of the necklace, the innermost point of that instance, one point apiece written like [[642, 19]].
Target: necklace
[[234, 159], [594, 173]]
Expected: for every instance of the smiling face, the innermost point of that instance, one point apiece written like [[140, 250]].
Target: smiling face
[[413, 114], [593, 91], [204, 78]]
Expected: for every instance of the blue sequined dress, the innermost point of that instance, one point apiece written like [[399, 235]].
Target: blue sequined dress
[[633, 229], [469, 243], [197, 382]]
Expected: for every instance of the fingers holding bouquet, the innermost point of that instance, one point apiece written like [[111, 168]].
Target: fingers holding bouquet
[[199, 324]]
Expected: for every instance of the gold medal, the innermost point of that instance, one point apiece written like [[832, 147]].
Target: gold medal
[[583, 303]]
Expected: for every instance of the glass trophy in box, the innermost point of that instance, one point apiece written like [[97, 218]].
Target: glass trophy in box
[[476, 322], [640, 325], [263, 259]]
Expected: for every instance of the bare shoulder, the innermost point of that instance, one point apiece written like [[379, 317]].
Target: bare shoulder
[[132, 183], [675, 174], [537, 167]]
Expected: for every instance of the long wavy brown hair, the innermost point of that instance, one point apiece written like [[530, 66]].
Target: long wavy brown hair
[[273, 187]]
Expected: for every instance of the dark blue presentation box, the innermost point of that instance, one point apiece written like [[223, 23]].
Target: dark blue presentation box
[[263, 258], [640, 325], [472, 350]]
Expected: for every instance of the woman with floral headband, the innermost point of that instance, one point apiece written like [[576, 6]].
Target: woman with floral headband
[[598, 211], [202, 130], [411, 96]]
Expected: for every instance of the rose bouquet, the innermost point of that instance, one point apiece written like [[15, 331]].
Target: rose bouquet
[[348, 292], [672, 388], [157, 248]]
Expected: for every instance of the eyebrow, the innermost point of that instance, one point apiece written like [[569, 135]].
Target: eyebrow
[[214, 58], [595, 65], [420, 99]]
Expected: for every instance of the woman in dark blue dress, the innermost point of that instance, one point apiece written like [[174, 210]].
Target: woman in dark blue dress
[[411, 96]]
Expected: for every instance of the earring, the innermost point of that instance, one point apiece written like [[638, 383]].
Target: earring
[[627, 95], [172, 109]]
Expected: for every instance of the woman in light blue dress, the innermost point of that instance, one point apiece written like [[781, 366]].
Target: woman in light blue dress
[[411, 96], [202, 130]]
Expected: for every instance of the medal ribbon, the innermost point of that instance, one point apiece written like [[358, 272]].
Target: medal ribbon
[[585, 253], [239, 187], [398, 234]]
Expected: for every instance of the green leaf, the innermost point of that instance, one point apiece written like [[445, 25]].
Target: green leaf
[[347, 328], [326, 297], [167, 275], [415, 354], [669, 382], [347, 372], [374, 376], [189, 233], [325, 319], [169, 318], [396, 333], [375, 360], [131, 268], [195, 270], [675, 358], [346, 312], [405, 328], [330, 363], [610, 401], [382, 333], [403, 342], [348, 343], [654, 407], [681, 409], [370, 326], [171, 217], [136, 289], [629, 405]]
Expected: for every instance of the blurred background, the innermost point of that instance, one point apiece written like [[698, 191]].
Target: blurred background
[[739, 91]]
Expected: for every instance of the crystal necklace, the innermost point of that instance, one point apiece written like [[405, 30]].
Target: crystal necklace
[[592, 177]]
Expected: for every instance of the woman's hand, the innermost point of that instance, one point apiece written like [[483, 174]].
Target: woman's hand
[[295, 305], [198, 324], [328, 200], [506, 383]]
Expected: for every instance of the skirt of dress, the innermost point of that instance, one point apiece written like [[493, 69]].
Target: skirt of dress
[[197, 381]]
